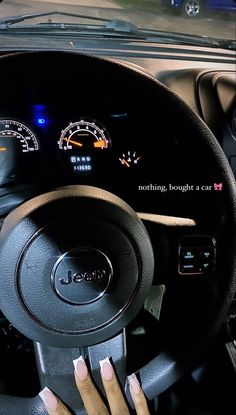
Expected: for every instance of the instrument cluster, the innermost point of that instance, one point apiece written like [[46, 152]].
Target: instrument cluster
[[41, 142]]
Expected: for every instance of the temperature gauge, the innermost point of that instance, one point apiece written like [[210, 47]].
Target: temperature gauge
[[130, 159]]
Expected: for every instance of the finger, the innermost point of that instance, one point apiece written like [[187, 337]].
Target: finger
[[53, 405], [111, 385], [138, 396], [89, 394]]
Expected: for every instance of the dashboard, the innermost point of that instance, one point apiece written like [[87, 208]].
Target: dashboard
[[49, 139], [55, 143], [83, 142], [212, 95], [59, 132]]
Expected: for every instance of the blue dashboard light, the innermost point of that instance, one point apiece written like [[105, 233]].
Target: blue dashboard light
[[39, 115], [39, 108], [40, 121]]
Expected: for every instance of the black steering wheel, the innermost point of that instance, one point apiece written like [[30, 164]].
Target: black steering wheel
[[77, 263]]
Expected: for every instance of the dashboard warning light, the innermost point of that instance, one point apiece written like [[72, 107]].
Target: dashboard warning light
[[40, 121]]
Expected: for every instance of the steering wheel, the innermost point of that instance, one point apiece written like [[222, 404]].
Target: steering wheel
[[77, 263]]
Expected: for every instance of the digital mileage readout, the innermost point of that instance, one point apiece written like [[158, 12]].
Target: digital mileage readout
[[81, 164]]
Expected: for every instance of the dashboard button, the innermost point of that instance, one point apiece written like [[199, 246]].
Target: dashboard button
[[206, 260], [188, 260], [196, 259]]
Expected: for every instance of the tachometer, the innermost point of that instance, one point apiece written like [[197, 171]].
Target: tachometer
[[17, 142], [80, 143], [84, 134]]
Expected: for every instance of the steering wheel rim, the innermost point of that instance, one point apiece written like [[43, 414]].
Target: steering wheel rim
[[166, 363]]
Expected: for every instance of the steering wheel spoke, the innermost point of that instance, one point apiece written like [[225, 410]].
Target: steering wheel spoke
[[182, 246], [56, 371]]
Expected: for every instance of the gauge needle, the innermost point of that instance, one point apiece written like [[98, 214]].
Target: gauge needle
[[99, 144], [123, 161], [76, 143], [3, 149]]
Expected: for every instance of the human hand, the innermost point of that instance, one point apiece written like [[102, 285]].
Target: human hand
[[92, 400]]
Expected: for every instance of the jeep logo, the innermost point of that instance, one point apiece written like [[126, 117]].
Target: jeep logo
[[81, 275], [78, 277]]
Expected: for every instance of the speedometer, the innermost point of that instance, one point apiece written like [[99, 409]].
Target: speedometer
[[18, 143], [82, 143], [17, 135]]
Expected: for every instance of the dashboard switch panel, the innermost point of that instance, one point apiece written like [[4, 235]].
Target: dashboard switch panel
[[197, 255]]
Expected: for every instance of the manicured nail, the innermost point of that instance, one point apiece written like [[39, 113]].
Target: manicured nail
[[49, 400], [134, 384], [80, 368], [107, 370]]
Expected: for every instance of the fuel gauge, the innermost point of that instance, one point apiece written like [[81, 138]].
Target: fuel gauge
[[130, 159]]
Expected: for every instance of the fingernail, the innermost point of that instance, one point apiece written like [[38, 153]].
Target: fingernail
[[80, 368], [107, 370], [134, 384], [49, 399]]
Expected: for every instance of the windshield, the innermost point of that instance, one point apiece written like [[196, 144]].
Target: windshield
[[202, 18]]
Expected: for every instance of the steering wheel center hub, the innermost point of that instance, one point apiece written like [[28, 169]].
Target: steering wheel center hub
[[82, 275], [74, 279]]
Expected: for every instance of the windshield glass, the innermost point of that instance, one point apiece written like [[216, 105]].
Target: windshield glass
[[210, 18]]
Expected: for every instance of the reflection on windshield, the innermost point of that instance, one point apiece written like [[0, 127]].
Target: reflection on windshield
[[215, 18]]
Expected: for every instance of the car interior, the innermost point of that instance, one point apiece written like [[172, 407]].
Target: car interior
[[118, 221]]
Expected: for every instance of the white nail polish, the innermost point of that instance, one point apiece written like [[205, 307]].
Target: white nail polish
[[106, 360], [134, 384], [49, 399], [80, 368], [75, 361], [107, 370]]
